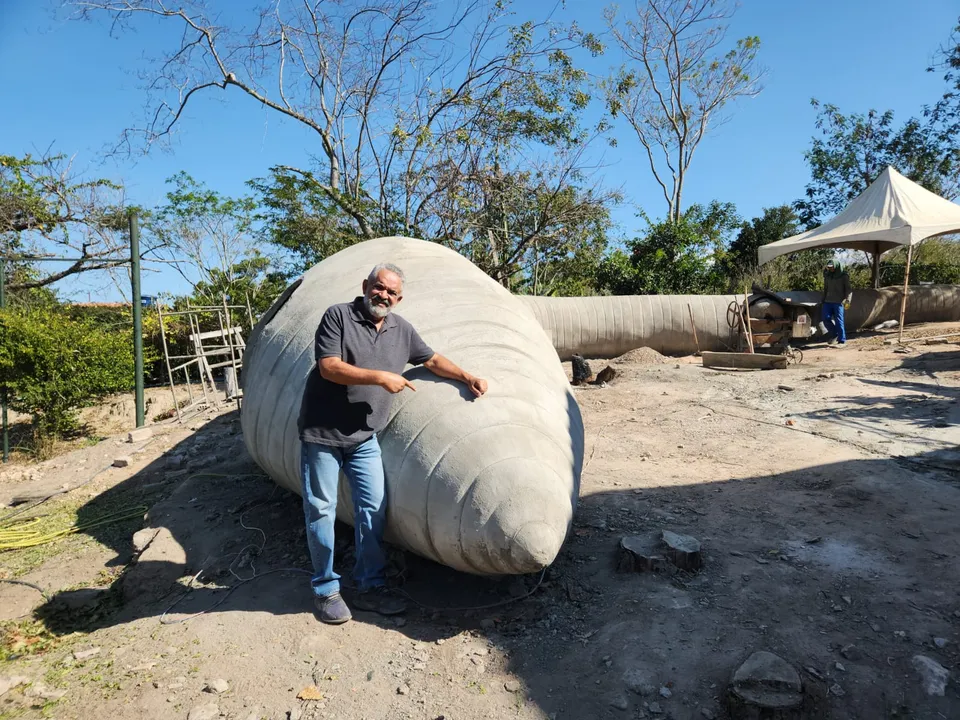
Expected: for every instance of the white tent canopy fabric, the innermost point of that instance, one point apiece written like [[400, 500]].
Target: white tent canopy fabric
[[893, 211]]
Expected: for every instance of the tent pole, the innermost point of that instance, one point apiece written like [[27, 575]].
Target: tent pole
[[903, 302], [876, 266]]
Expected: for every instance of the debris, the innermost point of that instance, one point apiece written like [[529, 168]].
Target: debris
[[403, 689], [708, 713], [786, 388], [139, 435], [683, 550], [851, 652], [581, 370], [143, 538], [122, 462], [886, 324], [8, 682], [173, 462], [933, 675], [310, 692], [511, 686], [940, 642], [835, 689], [790, 423], [754, 361], [840, 667], [655, 708], [619, 702], [86, 654], [665, 692], [606, 375], [210, 711], [813, 672], [764, 684], [218, 686], [39, 690], [641, 356], [640, 553], [639, 682]]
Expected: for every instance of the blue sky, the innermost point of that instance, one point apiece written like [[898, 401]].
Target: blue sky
[[70, 85]]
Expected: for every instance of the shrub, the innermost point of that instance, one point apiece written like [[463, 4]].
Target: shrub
[[54, 364]]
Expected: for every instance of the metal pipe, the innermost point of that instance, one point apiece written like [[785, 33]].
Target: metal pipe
[[137, 316]]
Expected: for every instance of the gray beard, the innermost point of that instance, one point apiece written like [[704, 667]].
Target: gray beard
[[377, 311]]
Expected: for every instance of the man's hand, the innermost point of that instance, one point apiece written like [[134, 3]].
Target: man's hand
[[391, 382], [478, 386]]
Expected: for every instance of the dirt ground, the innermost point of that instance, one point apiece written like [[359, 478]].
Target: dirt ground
[[825, 497]]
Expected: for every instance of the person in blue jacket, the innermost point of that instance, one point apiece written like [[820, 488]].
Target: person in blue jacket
[[837, 295]]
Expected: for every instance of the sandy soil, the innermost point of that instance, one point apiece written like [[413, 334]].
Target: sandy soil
[[825, 497]]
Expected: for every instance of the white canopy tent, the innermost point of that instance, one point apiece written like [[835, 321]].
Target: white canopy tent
[[893, 211]]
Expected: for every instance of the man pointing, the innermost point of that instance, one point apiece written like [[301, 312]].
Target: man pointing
[[360, 351]]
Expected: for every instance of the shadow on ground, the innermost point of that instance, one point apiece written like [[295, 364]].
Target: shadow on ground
[[586, 641]]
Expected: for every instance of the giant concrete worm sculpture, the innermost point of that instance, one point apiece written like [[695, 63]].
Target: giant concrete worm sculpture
[[487, 486], [484, 485]]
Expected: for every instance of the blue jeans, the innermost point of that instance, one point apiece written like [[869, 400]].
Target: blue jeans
[[833, 320], [320, 473]]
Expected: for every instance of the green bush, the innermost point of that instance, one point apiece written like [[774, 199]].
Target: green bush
[[54, 364]]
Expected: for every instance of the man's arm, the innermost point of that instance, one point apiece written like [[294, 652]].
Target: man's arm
[[442, 367], [337, 371]]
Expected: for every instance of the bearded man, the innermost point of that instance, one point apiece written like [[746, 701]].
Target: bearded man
[[361, 348]]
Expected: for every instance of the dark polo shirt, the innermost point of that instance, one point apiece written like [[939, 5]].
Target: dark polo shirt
[[346, 415]]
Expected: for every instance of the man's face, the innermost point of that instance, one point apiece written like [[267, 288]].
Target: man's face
[[381, 295], [830, 266]]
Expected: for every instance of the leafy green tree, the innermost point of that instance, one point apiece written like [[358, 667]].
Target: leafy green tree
[[739, 261], [673, 257], [945, 113], [53, 364], [48, 208]]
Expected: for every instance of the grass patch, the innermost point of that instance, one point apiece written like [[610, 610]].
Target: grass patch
[[25, 638]]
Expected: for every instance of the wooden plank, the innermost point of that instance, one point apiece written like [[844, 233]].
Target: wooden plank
[[752, 361], [216, 334]]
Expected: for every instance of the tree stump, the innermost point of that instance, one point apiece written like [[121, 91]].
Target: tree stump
[[683, 550], [581, 370], [605, 375], [641, 553]]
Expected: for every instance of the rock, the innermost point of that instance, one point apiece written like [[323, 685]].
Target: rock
[[682, 550], [940, 642], [851, 652], [218, 686], [511, 686], [655, 708], [639, 682], [665, 692], [210, 711], [86, 654], [143, 538], [641, 553], [310, 692], [39, 690], [173, 462], [765, 684], [840, 667], [619, 702], [933, 675], [487, 624], [139, 435], [122, 462], [399, 621], [785, 388], [835, 689], [606, 375], [708, 713], [403, 689], [9, 682]]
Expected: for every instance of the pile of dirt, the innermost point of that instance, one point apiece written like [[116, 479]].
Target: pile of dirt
[[641, 356]]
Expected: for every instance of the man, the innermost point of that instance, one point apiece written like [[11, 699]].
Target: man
[[360, 350], [836, 295]]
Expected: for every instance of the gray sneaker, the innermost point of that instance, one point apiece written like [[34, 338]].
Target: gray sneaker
[[832, 341], [332, 609], [380, 600]]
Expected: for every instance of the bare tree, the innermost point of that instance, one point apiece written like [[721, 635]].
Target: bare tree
[[403, 97], [48, 209], [676, 82]]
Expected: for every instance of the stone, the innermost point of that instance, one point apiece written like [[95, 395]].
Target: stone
[[765, 683], [511, 686], [173, 462], [142, 538], [840, 667], [218, 686], [639, 682], [641, 553], [619, 702], [399, 622], [665, 692], [39, 690], [139, 435], [86, 654], [682, 550], [933, 675], [708, 713], [9, 682], [122, 462], [851, 652], [310, 692], [785, 388], [210, 711], [940, 642], [835, 689], [655, 708], [403, 689]]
